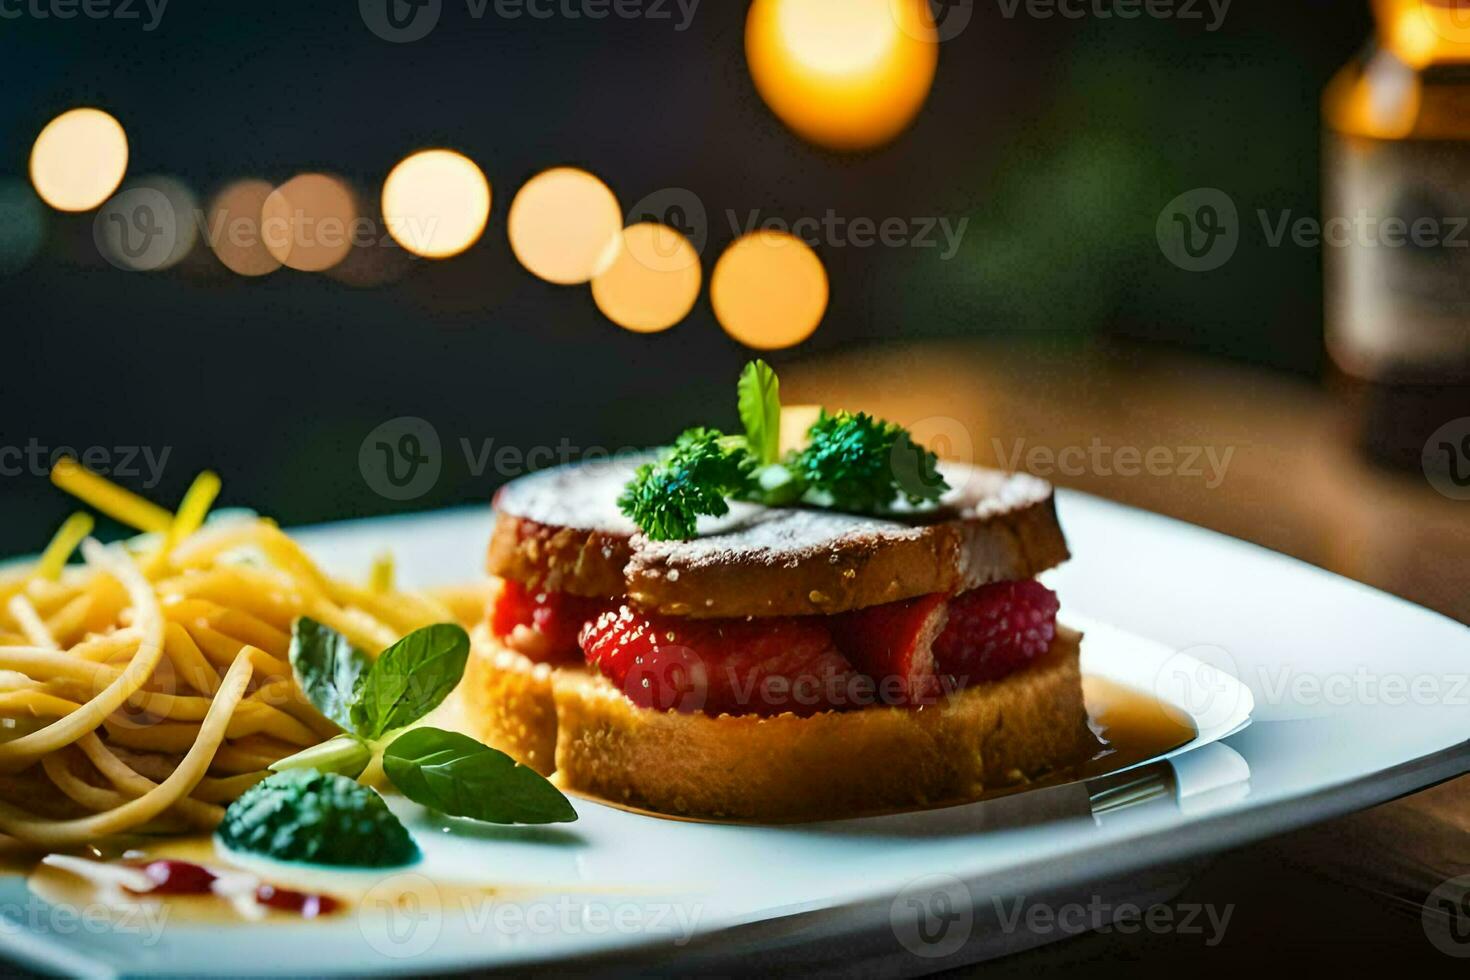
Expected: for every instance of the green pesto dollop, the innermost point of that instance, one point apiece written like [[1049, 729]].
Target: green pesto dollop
[[318, 818]]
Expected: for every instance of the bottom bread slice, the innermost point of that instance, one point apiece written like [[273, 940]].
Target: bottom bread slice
[[987, 737], [508, 703]]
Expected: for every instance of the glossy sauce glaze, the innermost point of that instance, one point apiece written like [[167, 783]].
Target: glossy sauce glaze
[[1132, 725]]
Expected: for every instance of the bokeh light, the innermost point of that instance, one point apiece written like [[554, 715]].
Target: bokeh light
[[79, 159], [1424, 31], [769, 290], [846, 74], [308, 222], [436, 203], [22, 226], [653, 282], [149, 226], [234, 227], [565, 226]]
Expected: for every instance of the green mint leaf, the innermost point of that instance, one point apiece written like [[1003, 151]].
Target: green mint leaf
[[691, 478], [328, 669], [346, 755], [457, 775], [858, 463], [759, 396], [410, 679]]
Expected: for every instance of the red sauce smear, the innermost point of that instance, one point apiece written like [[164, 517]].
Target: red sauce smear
[[177, 878], [186, 878], [306, 905]]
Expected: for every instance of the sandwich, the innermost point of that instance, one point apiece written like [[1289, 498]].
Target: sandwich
[[733, 629]]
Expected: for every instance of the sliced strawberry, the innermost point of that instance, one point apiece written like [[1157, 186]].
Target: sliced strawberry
[[542, 625], [738, 667], [996, 630], [892, 644]]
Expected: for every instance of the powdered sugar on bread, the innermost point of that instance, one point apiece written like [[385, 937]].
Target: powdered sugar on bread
[[561, 529], [583, 497]]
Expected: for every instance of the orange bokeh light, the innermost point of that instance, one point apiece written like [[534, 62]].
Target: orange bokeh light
[[436, 203], [79, 159], [653, 282], [565, 225], [235, 234], [846, 74], [308, 222], [769, 290]]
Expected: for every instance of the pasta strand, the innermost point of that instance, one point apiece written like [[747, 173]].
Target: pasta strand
[[195, 764], [151, 684], [66, 730]]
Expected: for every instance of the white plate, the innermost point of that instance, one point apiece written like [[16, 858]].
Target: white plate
[[1356, 697]]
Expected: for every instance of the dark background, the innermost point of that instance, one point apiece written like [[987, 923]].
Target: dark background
[[1060, 140]]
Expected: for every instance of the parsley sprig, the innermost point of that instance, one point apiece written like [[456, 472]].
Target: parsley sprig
[[852, 462], [863, 464], [692, 477]]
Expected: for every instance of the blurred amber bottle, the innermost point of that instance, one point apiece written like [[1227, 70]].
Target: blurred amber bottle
[[1397, 185]]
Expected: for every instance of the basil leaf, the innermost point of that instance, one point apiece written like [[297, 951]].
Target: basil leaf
[[328, 668], [457, 775], [410, 678], [346, 755], [759, 396]]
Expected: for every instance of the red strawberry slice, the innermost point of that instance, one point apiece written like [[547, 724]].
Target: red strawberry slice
[[996, 630], [892, 644], [542, 625], [739, 667]]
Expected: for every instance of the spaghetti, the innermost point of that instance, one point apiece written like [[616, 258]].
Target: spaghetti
[[150, 685]]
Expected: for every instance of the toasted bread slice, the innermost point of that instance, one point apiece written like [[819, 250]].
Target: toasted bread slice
[[508, 702], [560, 529], [837, 764]]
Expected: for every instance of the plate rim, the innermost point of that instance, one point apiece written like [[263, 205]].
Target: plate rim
[[1201, 834]]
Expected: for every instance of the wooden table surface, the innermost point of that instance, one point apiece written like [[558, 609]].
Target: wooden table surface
[[1342, 894]]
